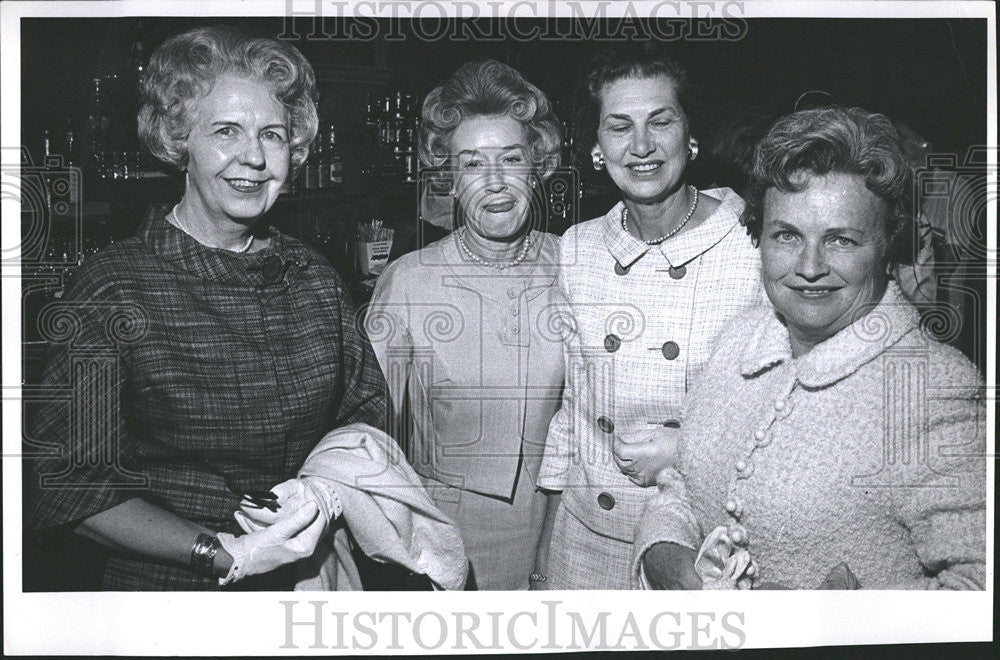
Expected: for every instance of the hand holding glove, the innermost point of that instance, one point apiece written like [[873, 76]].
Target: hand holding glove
[[290, 539], [640, 455], [291, 495]]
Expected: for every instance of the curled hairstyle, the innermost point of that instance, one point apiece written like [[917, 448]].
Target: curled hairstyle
[[484, 88], [614, 64], [841, 140], [185, 67]]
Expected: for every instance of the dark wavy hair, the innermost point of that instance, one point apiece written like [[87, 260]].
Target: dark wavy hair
[[483, 88], [613, 64], [841, 140], [185, 67]]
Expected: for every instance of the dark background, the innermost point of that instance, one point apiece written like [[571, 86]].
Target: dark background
[[928, 72]]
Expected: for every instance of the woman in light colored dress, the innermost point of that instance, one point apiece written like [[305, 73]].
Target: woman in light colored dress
[[464, 329], [831, 442]]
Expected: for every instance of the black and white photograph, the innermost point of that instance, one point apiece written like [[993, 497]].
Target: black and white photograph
[[636, 304]]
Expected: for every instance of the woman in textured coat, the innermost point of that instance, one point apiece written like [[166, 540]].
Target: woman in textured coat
[[829, 436], [201, 359]]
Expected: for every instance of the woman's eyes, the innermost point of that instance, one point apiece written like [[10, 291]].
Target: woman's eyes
[[625, 128], [843, 241], [785, 236], [269, 134], [512, 159]]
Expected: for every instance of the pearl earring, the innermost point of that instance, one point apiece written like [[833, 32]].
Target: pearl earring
[[598, 162], [693, 150]]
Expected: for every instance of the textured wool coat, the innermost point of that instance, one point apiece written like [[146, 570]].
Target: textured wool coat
[[870, 449]]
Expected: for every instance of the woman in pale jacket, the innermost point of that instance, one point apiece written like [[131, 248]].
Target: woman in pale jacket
[[830, 442], [650, 285], [466, 330]]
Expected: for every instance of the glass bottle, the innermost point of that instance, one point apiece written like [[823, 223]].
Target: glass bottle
[[335, 165]]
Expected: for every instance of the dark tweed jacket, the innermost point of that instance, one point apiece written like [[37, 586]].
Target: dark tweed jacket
[[186, 375]]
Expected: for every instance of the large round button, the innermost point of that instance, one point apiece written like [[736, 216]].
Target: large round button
[[738, 534], [605, 501], [670, 350], [744, 469], [621, 270], [605, 424], [612, 343], [678, 273]]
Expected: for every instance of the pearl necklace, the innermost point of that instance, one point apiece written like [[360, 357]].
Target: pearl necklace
[[657, 241], [173, 214], [475, 257]]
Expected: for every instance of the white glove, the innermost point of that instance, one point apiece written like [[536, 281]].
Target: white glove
[[290, 539], [292, 494], [641, 455]]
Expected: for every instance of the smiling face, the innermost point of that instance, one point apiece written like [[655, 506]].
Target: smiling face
[[643, 135], [238, 151], [492, 175], [823, 252]]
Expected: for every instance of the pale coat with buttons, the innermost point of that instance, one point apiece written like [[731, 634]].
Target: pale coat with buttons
[[870, 449], [644, 321]]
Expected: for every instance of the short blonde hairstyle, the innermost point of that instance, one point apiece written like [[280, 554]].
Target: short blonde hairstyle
[[485, 88], [185, 67]]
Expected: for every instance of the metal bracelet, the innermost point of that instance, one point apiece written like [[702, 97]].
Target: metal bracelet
[[203, 554], [537, 577]]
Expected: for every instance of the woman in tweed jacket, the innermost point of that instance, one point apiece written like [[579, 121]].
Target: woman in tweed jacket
[[829, 436], [650, 285], [199, 360]]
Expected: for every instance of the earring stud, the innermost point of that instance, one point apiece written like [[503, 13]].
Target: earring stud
[[598, 162]]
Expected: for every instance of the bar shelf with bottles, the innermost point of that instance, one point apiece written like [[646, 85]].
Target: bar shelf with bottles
[[355, 172]]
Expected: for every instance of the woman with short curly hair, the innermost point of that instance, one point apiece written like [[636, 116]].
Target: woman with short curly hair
[[466, 329], [830, 443], [238, 351]]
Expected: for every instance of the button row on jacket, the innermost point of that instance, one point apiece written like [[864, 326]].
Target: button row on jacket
[[744, 469]]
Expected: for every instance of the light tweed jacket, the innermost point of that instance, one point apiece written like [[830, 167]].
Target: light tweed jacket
[[870, 450], [644, 322]]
